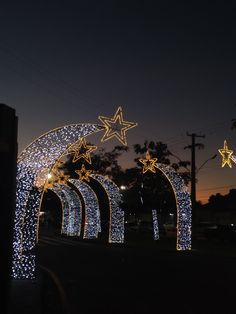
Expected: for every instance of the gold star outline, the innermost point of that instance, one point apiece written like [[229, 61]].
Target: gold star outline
[[148, 163], [116, 127], [55, 177], [84, 173], [226, 155], [82, 150]]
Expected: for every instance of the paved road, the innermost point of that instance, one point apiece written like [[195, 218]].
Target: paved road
[[89, 277]]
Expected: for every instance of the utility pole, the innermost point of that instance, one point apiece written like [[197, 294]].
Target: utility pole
[[193, 171]]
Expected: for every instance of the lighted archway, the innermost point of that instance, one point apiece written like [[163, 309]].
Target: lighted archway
[[92, 210], [92, 213], [183, 204], [116, 227], [33, 166], [71, 209]]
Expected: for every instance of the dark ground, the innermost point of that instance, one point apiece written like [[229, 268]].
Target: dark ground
[[141, 276]]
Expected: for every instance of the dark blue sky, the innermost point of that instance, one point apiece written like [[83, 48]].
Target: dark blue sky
[[170, 65]]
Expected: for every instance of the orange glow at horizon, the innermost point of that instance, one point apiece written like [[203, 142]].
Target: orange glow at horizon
[[204, 194]]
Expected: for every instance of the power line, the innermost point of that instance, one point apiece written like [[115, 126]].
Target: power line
[[217, 187]]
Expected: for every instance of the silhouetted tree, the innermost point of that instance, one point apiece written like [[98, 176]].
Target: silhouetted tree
[[143, 192], [151, 190]]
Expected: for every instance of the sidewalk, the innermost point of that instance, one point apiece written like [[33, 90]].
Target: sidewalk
[[25, 296], [44, 295]]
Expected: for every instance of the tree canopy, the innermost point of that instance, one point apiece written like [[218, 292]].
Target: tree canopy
[[142, 192]]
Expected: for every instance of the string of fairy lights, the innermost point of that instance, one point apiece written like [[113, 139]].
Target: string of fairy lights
[[155, 225], [36, 172]]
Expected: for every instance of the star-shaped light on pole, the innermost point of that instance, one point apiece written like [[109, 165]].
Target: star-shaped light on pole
[[226, 155], [116, 127], [84, 173], [148, 163], [81, 150]]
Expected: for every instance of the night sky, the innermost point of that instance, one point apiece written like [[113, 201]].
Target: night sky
[[171, 66]]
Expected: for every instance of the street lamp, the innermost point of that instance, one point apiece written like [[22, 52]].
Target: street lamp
[[197, 170], [213, 157], [193, 173]]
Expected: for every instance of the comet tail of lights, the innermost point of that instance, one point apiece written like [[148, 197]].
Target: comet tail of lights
[[155, 225], [33, 167], [34, 163]]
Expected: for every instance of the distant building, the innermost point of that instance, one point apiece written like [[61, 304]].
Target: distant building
[[8, 157]]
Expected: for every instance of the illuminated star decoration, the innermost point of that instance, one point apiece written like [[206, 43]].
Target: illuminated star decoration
[[84, 173], [116, 127], [56, 176], [82, 150], [226, 155], [148, 163]]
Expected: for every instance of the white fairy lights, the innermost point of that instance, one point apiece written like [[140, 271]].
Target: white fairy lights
[[33, 163], [71, 210], [92, 214], [116, 228], [183, 204], [155, 225]]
